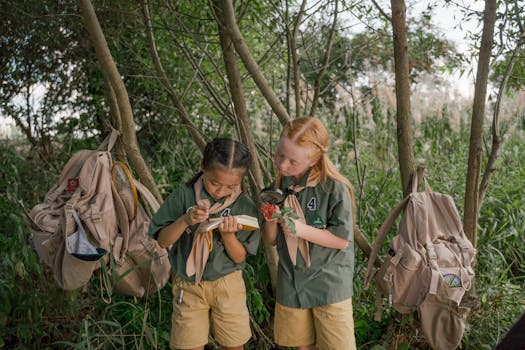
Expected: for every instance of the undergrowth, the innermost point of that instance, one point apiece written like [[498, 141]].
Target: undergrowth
[[36, 314]]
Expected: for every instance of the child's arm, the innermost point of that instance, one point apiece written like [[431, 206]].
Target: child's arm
[[232, 245], [171, 233], [318, 236], [269, 232]]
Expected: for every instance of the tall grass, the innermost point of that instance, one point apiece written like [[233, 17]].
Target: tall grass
[[444, 151], [36, 314]]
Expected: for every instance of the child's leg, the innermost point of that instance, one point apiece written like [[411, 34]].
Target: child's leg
[[229, 312], [334, 326]]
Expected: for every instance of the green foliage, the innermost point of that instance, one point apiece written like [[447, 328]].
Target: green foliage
[[35, 313], [288, 216], [33, 309]]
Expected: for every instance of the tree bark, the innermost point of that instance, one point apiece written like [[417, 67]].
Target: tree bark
[[250, 63], [402, 76], [470, 220], [107, 63], [241, 113]]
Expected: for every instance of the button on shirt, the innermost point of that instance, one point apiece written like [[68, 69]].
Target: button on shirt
[[329, 278], [219, 263]]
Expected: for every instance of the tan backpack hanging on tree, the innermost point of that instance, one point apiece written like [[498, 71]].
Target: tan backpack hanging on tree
[[84, 223], [428, 267]]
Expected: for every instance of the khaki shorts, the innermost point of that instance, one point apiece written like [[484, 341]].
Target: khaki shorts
[[223, 302], [329, 327]]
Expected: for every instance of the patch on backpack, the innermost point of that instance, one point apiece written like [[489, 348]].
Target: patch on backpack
[[72, 184], [452, 280]]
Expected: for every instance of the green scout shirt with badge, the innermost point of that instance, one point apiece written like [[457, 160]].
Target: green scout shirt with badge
[[329, 278], [219, 263]]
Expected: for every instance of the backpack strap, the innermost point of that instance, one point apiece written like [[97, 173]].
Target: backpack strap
[[147, 196], [109, 141], [120, 246], [466, 248], [132, 186], [434, 268], [381, 235]]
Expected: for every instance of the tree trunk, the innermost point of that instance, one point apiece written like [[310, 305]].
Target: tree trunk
[[402, 74], [470, 220], [250, 63], [241, 113], [129, 136]]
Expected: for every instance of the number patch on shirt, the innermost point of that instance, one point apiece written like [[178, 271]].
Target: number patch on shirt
[[226, 212], [312, 204]]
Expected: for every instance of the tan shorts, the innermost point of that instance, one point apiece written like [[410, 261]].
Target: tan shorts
[[223, 302], [329, 327]]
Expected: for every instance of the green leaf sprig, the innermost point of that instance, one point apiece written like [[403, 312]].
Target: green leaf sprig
[[288, 216]]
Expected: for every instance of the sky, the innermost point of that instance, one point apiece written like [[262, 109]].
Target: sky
[[446, 18]]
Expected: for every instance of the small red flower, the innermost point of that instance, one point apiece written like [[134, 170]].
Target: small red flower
[[268, 210]]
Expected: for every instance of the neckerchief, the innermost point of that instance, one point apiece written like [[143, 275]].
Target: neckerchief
[[293, 243], [203, 241]]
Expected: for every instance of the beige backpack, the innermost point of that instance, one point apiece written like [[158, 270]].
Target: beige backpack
[[428, 267], [96, 216]]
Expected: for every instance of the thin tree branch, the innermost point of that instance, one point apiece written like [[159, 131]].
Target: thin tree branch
[[496, 138], [186, 120], [295, 60], [250, 63], [383, 13], [215, 99], [326, 61]]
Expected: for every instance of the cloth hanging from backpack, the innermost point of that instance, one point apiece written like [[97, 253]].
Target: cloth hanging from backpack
[[78, 245], [294, 243], [200, 250]]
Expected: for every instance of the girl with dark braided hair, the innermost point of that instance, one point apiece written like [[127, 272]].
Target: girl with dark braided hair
[[208, 288]]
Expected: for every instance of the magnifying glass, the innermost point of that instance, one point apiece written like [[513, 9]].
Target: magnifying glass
[[273, 195]]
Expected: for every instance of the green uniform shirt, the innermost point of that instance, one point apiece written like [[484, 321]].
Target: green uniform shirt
[[219, 263], [329, 278]]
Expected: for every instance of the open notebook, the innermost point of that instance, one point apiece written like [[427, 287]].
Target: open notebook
[[249, 223]]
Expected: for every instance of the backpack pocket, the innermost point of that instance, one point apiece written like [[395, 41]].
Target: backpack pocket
[[442, 322], [406, 277], [45, 245], [128, 281], [146, 266], [71, 272], [454, 279]]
